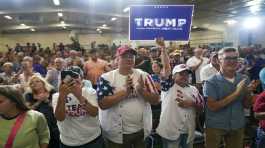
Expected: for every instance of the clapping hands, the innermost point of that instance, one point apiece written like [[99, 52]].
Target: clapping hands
[[184, 103]]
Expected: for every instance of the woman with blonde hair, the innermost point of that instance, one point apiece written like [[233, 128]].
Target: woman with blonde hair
[[39, 97], [20, 126]]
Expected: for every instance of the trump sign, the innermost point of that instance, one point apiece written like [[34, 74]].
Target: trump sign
[[172, 22]]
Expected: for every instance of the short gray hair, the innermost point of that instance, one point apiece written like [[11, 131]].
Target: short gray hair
[[8, 64], [226, 49], [28, 58], [59, 59]]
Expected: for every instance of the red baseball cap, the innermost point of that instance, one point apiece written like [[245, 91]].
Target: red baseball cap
[[124, 49]]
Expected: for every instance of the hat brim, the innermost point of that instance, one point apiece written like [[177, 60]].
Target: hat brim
[[186, 69]]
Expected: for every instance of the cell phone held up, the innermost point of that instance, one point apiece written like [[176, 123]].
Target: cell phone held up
[[68, 76]]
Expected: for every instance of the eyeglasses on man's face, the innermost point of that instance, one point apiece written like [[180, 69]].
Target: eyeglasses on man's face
[[231, 59]]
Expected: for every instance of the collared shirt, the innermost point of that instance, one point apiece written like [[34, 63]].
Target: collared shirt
[[131, 114], [230, 117], [207, 71], [175, 120]]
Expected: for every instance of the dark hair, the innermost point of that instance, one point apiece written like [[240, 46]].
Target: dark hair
[[158, 63], [14, 95], [94, 50]]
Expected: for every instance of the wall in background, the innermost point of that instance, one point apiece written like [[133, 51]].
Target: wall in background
[[197, 38], [255, 36], [206, 37], [242, 36], [47, 39]]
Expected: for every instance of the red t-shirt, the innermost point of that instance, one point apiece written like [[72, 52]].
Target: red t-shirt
[[259, 106]]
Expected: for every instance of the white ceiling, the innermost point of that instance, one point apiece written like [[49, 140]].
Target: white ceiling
[[88, 15]]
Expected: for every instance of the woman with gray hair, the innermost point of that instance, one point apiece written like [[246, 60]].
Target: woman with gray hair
[[20, 126]]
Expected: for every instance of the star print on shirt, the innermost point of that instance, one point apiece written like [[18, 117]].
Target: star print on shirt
[[167, 84], [103, 88]]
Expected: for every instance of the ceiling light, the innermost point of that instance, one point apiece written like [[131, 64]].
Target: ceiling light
[[230, 22], [194, 27], [98, 29], [100, 32], [56, 2], [32, 29], [234, 12], [64, 27], [254, 9], [113, 19], [251, 23], [126, 9], [104, 25], [22, 25], [253, 2], [60, 14], [62, 22], [8, 17]]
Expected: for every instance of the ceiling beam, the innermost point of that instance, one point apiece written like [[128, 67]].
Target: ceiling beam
[[55, 10]]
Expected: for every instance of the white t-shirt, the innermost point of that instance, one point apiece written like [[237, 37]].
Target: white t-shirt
[[230, 79], [207, 71], [79, 127], [193, 61]]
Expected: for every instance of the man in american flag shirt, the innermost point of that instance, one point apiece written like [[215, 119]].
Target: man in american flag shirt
[[124, 98], [180, 101]]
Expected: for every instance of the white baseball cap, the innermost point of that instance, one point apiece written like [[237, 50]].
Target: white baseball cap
[[179, 68]]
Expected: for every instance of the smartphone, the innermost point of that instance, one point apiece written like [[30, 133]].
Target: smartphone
[[68, 75], [67, 79]]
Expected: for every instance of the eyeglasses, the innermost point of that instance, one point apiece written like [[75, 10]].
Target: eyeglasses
[[231, 59]]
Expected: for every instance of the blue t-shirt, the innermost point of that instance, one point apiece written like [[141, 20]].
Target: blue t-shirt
[[155, 78]]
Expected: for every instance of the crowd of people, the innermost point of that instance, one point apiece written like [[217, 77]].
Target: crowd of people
[[119, 97]]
